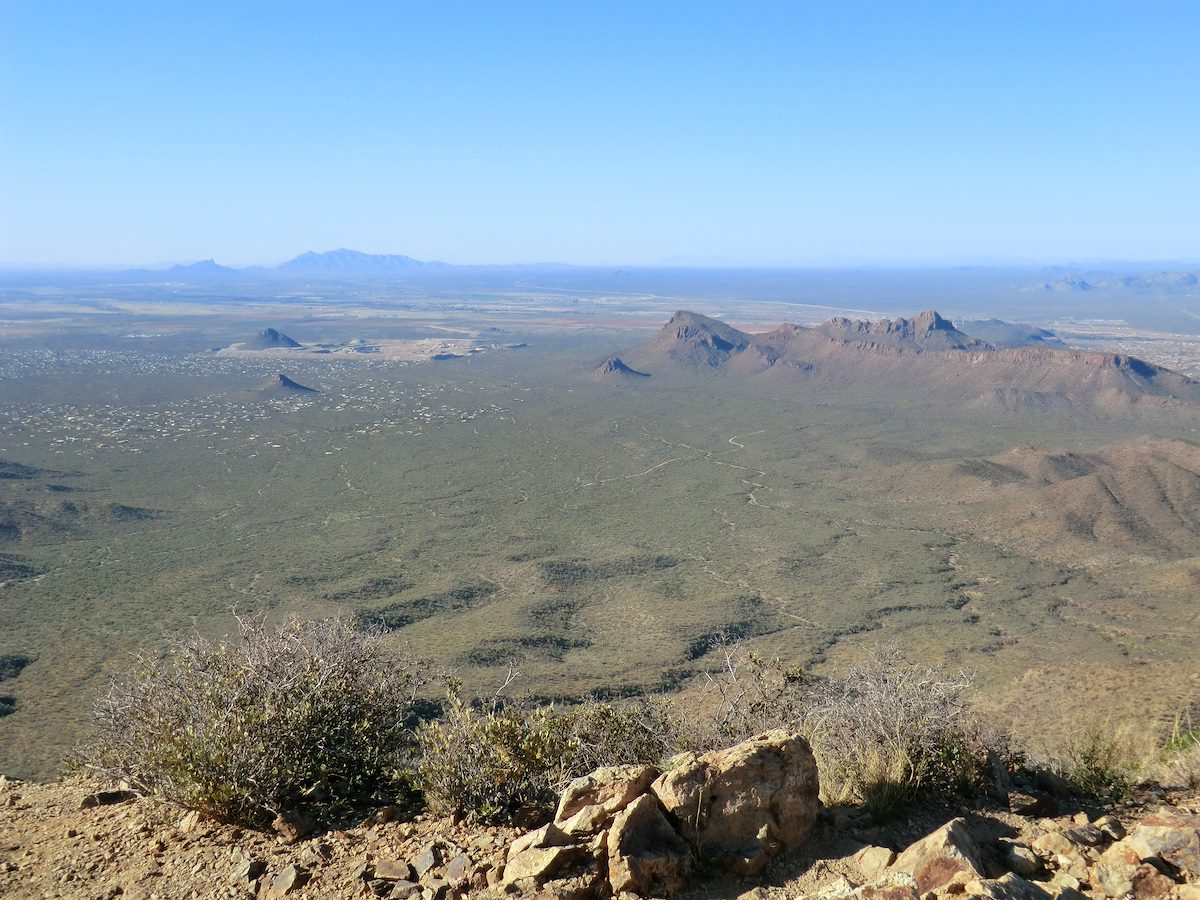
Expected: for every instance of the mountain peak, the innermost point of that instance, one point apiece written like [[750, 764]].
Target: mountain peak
[[280, 383], [270, 339], [615, 367], [930, 319], [205, 267], [927, 331]]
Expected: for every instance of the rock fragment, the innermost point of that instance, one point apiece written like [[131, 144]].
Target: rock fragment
[[645, 854], [934, 860], [286, 882]]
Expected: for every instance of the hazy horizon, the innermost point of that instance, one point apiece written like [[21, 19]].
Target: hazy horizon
[[932, 264]]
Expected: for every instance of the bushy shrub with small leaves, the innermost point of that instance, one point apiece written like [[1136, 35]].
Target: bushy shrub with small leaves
[[272, 720], [883, 731], [488, 763], [491, 760], [640, 731], [1100, 762], [887, 729]]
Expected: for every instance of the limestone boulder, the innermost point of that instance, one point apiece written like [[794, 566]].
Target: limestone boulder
[[1115, 871], [549, 835], [1064, 854], [1009, 887], [873, 860], [291, 879], [742, 806], [896, 886]]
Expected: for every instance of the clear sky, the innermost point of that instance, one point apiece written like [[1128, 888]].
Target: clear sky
[[599, 132]]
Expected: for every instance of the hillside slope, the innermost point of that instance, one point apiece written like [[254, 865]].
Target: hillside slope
[[927, 356]]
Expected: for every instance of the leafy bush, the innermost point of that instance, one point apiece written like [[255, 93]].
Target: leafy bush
[[490, 763], [275, 720], [1098, 764], [491, 760], [641, 731]]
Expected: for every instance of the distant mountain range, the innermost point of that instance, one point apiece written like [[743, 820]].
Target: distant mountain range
[[331, 264], [1157, 282], [923, 356], [1010, 334], [206, 268], [347, 262]]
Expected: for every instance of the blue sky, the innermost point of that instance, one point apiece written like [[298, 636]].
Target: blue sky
[[597, 132]]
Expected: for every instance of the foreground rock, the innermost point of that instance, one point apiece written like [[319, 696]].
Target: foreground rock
[[742, 806], [949, 854], [589, 803], [632, 829], [646, 855]]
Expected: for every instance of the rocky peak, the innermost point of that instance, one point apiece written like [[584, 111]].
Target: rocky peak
[[614, 366]]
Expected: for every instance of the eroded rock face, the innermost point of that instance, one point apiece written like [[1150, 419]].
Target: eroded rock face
[[743, 805], [645, 854], [590, 803], [940, 857]]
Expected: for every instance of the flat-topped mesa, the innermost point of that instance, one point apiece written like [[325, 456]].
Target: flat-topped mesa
[[1091, 359]]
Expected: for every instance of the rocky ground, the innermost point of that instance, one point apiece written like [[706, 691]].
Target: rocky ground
[[621, 831]]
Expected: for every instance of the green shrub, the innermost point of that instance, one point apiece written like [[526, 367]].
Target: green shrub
[[641, 731], [491, 760], [490, 763], [1098, 764], [275, 720]]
